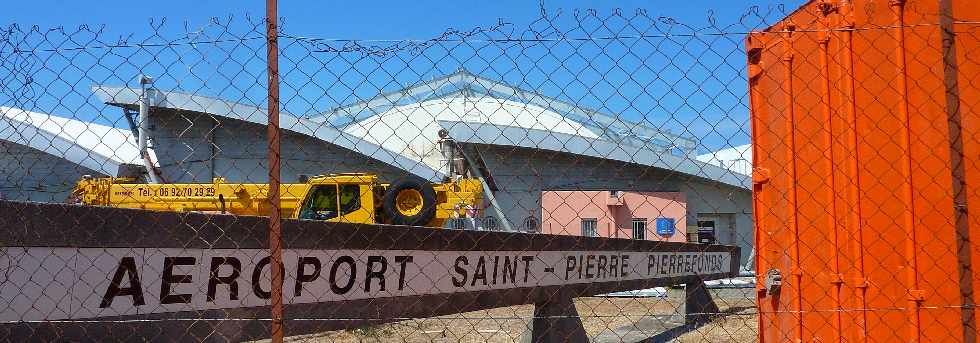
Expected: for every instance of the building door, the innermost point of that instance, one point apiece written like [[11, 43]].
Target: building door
[[706, 231], [720, 227]]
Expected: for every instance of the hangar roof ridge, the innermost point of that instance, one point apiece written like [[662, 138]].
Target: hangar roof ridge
[[495, 134], [610, 126], [129, 97], [94, 146]]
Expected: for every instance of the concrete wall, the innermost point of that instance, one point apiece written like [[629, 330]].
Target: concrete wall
[[522, 174], [33, 175], [728, 204], [562, 213], [196, 147]]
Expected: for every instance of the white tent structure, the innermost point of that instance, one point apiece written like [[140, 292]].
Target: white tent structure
[[97, 147], [407, 121], [522, 142], [43, 155], [232, 115], [412, 130], [526, 142], [502, 103]]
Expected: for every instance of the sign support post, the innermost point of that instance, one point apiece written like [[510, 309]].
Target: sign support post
[[557, 320], [698, 304]]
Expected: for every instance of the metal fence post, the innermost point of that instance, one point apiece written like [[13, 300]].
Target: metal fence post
[[275, 234]]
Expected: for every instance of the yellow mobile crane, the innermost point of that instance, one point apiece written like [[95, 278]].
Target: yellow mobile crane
[[349, 198]]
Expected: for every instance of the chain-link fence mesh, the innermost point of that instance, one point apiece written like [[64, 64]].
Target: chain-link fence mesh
[[830, 144]]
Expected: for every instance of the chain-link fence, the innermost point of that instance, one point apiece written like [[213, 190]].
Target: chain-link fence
[[611, 176]]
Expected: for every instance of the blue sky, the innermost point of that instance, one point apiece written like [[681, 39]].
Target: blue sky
[[688, 84], [351, 19]]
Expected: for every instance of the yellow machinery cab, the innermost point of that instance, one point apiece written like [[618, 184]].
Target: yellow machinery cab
[[347, 198]]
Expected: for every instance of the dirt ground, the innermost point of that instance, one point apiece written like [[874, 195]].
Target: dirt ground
[[604, 319]]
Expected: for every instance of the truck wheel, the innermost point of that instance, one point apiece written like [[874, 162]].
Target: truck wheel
[[410, 201]]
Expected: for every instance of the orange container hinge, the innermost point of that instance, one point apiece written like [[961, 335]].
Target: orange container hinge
[[917, 295], [760, 175], [773, 281], [754, 71], [753, 43], [826, 8]]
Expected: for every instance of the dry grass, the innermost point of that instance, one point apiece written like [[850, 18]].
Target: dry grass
[[738, 327], [600, 317]]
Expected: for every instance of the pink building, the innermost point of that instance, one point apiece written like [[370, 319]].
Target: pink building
[[615, 214]]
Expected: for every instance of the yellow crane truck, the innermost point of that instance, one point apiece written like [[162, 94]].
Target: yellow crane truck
[[349, 198]]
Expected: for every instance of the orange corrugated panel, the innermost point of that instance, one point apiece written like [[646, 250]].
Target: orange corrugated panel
[[866, 147]]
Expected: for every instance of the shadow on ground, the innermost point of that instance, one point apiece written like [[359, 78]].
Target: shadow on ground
[[662, 328]]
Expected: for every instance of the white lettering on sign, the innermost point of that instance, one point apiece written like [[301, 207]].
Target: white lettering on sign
[[77, 283]]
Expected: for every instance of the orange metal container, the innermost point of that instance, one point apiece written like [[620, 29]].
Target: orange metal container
[[866, 147]]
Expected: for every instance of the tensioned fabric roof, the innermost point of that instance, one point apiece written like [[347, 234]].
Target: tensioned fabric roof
[[479, 110], [129, 97], [97, 147], [401, 127], [612, 127], [589, 146], [412, 130]]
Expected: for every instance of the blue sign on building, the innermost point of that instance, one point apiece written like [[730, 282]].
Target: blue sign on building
[[665, 226]]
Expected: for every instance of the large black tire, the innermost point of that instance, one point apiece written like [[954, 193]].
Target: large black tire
[[428, 201]]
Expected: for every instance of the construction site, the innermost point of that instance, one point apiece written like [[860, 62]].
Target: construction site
[[781, 173]]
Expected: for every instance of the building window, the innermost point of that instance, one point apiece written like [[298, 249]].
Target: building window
[[531, 224], [490, 223], [639, 228], [589, 226]]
